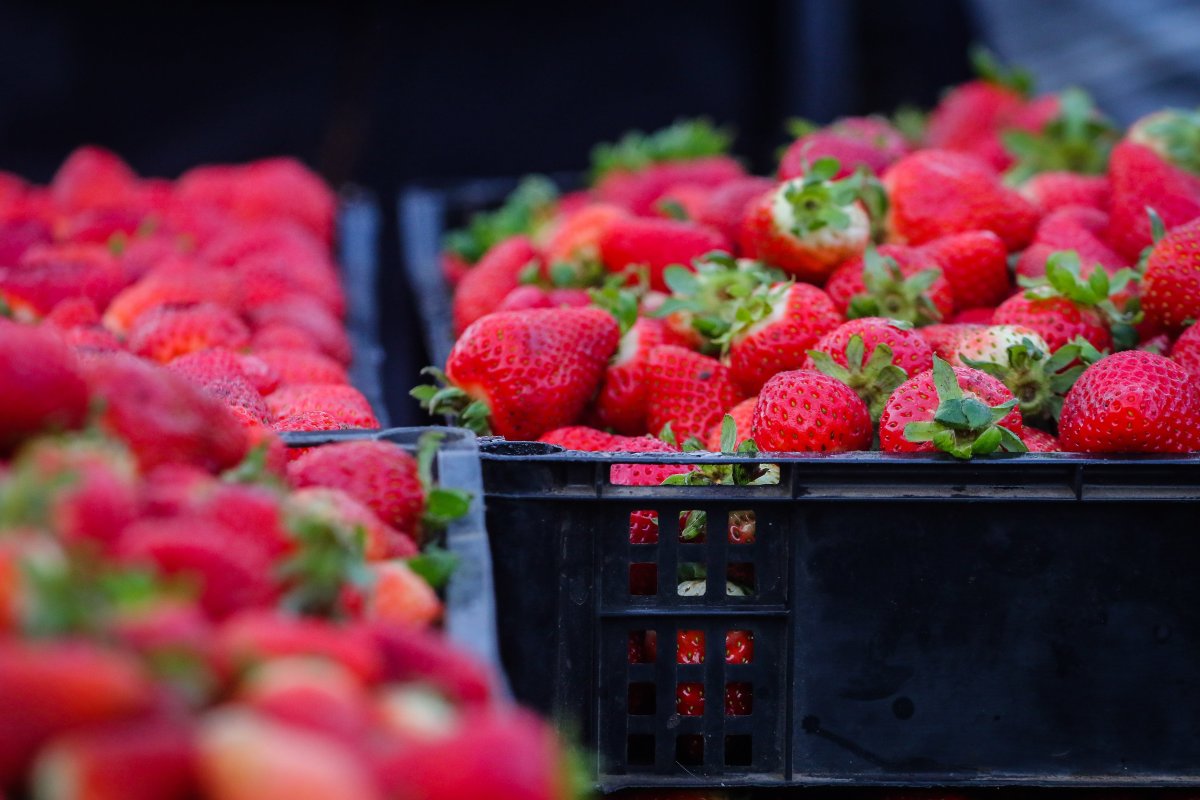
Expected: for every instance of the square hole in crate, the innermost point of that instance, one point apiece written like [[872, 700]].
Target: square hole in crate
[[689, 749], [739, 647], [740, 579], [691, 579], [693, 525], [641, 698], [739, 750], [739, 699], [689, 699], [643, 527], [639, 749], [742, 527], [689, 647], [643, 579], [643, 647]]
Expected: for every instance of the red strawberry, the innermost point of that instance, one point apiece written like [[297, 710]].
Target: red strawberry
[[1132, 402], [143, 759], [688, 390], [252, 638], [944, 339], [526, 297], [307, 421], [163, 287], [1051, 191], [1171, 284], [1078, 229], [689, 649], [335, 507], [1038, 441], [590, 440], [295, 366], [1186, 351], [621, 403], [20, 233], [580, 437], [869, 142], [344, 403], [162, 416], [775, 327], [236, 394], [577, 234], [957, 410], [726, 205], [380, 475], [973, 316], [742, 413], [639, 192], [167, 333], [807, 226], [41, 387], [682, 201], [1057, 319], [522, 373], [935, 193], [656, 244], [319, 696], [218, 363], [894, 281], [93, 177], [970, 117], [73, 312], [55, 686], [310, 316], [414, 655], [497, 273], [399, 596], [48, 274], [805, 411], [264, 279], [975, 264]]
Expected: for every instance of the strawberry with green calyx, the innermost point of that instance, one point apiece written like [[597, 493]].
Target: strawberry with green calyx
[[329, 556], [957, 410], [809, 225], [529, 208], [1065, 305], [873, 379], [895, 282], [519, 374], [805, 411], [725, 474], [1172, 133], [1022, 360], [685, 140], [870, 142], [742, 413], [1077, 140], [655, 244]]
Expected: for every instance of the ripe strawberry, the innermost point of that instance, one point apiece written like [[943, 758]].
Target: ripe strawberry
[[409, 654], [805, 411], [378, 474], [742, 414], [688, 390], [522, 373], [872, 356], [219, 363], [1050, 191], [773, 330], [1154, 167], [307, 421], [958, 410], [1056, 319], [92, 177], [399, 596], [1171, 284], [973, 316], [236, 394], [329, 506], [267, 278], [311, 694], [1038, 441], [807, 226], [529, 296], [55, 686], [726, 205], [48, 274], [944, 339], [167, 286], [295, 366], [591, 440], [580, 437], [73, 312], [970, 117], [244, 755], [41, 387], [656, 244], [311, 317], [576, 237], [621, 403], [167, 333], [19, 233], [252, 638], [934, 193], [161, 416], [1078, 229], [689, 649], [869, 142], [489, 281], [1132, 402], [344, 403], [1186, 351], [143, 759], [894, 281], [975, 264]]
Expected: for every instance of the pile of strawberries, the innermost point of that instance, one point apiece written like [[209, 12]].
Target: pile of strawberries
[[1014, 274], [187, 608]]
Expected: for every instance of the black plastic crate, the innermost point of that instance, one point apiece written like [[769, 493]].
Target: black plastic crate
[[470, 608], [358, 239], [1030, 620]]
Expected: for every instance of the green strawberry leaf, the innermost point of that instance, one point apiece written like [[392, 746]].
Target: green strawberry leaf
[[436, 565]]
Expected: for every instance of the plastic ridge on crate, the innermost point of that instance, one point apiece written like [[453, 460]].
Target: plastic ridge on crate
[[358, 256], [470, 618], [1030, 620]]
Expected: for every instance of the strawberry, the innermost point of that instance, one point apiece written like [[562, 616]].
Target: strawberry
[[742, 413], [580, 437], [311, 694], [253, 638], [773, 329], [167, 333], [244, 755], [489, 281], [958, 410], [409, 654], [184, 286], [689, 649], [872, 356], [334, 507], [161, 416], [576, 236], [726, 205], [1059, 134], [399, 596], [590, 440], [934, 193], [73, 312], [1155, 167], [522, 373], [1050, 191], [19, 234], [621, 403], [1186, 351], [526, 212], [805, 411], [55, 686], [219, 363], [1078, 229], [308, 315], [41, 386], [307, 421], [1171, 283], [1038, 441], [294, 366], [894, 281], [656, 244], [236, 394], [529, 296], [48, 274], [807, 226], [970, 117], [971, 316], [687, 390], [344, 403], [975, 264], [267, 278], [143, 759], [92, 177], [1132, 402], [869, 142]]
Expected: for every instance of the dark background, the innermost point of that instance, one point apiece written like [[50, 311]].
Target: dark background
[[383, 95]]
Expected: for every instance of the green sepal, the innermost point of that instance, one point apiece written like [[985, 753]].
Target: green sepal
[[891, 295], [684, 140], [963, 426], [435, 564], [442, 398], [1078, 139], [989, 68], [529, 206], [872, 378]]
